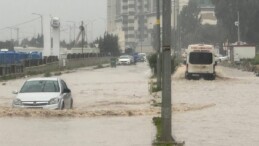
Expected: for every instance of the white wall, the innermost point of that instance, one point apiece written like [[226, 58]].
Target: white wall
[[245, 52]]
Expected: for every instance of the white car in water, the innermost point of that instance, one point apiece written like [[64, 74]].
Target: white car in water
[[44, 93], [126, 59], [220, 58]]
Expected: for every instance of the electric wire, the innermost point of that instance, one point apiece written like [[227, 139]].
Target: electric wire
[[26, 22]]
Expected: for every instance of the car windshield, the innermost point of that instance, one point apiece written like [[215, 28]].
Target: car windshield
[[124, 57], [200, 58], [40, 86]]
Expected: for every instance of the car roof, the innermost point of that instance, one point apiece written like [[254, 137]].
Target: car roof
[[124, 56], [44, 79]]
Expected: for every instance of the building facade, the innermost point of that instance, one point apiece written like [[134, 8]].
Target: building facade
[[134, 21]]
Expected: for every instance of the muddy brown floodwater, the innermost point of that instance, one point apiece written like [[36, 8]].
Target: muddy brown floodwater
[[102, 131], [113, 107], [232, 121]]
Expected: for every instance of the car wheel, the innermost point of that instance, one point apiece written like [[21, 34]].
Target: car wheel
[[71, 104], [213, 77], [63, 105], [187, 76], [210, 77]]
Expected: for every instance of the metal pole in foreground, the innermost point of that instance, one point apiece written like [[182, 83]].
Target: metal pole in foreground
[[158, 33], [166, 109]]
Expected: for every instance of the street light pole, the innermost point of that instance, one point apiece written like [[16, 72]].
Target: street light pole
[[41, 18], [82, 29], [86, 35], [238, 25], [166, 109], [74, 29], [92, 23], [158, 33], [17, 35]]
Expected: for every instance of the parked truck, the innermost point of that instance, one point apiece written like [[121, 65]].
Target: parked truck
[[200, 62]]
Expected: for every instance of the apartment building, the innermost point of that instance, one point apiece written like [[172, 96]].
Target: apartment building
[[134, 21]]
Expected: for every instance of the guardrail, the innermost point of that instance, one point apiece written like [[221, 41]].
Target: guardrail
[[37, 66]]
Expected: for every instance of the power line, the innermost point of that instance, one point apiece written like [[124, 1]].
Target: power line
[[20, 24]]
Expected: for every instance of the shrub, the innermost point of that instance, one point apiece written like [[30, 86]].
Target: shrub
[[47, 74], [57, 73], [256, 60], [152, 60]]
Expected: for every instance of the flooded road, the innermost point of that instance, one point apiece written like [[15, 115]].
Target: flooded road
[[113, 107], [114, 89], [232, 121], [120, 131]]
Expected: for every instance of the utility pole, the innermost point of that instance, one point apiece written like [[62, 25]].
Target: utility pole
[[238, 25], [41, 18], [178, 19], [86, 36], [82, 29], [70, 32], [166, 109], [158, 33], [18, 36], [11, 32], [176, 35], [175, 28], [74, 23]]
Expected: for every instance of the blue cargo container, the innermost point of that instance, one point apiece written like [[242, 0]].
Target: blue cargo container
[[5, 57], [20, 56], [12, 57], [2, 55], [35, 55]]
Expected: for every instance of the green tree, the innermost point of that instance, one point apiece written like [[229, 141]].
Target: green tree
[[188, 24], [33, 42], [192, 31], [226, 13], [7, 45], [109, 44]]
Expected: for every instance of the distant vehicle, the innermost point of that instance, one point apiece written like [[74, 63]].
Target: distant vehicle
[[125, 60], [135, 58], [44, 93], [222, 58], [200, 62], [142, 57]]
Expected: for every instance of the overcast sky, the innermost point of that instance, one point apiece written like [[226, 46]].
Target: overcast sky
[[14, 12]]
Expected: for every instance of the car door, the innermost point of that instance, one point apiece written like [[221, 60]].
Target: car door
[[66, 95]]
